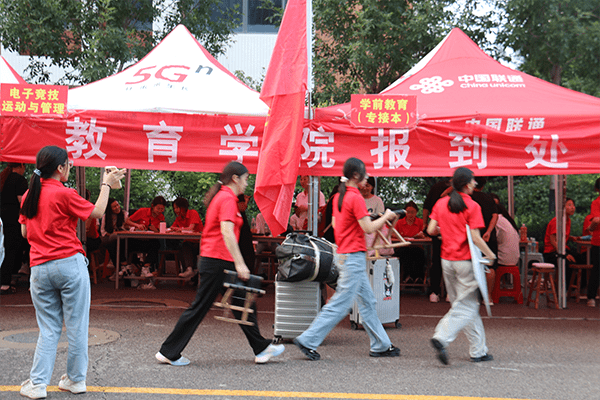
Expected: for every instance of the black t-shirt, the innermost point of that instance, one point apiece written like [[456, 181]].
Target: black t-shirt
[[15, 185], [434, 194]]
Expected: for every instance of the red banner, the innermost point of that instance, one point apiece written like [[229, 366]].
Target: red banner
[[383, 111], [24, 100]]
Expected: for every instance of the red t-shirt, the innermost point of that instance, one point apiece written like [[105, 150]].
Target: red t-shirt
[[349, 236], [144, 216], [409, 230], [551, 230], [52, 233], [191, 217], [455, 246], [223, 207], [595, 212]]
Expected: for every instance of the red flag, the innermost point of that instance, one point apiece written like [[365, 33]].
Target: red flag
[[283, 91]]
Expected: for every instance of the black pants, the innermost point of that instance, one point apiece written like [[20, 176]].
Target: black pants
[[435, 273], [211, 284], [595, 274], [412, 261], [13, 256]]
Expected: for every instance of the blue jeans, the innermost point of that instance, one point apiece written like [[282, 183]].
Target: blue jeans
[[353, 283], [60, 289]]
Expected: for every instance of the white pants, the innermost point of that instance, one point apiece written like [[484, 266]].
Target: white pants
[[464, 314]]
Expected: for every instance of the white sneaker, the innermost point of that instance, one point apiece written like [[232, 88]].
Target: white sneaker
[[591, 303], [68, 385], [146, 273], [147, 286], [434, 298], [273, 350], [28, 389], [188, 273]]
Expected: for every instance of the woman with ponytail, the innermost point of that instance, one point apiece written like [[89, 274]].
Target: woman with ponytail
[[219, 251], [59, 283], [351, 221], [449, 217]]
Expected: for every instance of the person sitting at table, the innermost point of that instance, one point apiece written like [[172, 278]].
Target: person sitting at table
[[112, 222], [508, 239], [187, 220], [296, 222], [412, 258], [550, 242], [147, 219]]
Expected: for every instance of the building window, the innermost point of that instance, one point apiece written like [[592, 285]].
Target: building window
[[254, 18]]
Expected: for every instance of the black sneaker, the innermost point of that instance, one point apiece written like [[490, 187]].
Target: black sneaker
[[486, 357], [441, 351], [391, 352], [310, 354]]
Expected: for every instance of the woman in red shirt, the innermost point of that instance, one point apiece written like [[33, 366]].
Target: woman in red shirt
[[351, 221], [593, 227], [59, 283], [412, 258], [219, 251], [449, 217]]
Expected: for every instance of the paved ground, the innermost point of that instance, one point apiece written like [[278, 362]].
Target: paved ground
[[539, 354]]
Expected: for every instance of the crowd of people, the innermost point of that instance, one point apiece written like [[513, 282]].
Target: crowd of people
[[47, 214]]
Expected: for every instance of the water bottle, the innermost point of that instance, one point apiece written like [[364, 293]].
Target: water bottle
[[523, 232]]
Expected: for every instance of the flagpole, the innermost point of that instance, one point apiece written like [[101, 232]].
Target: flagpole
[[313, 187]]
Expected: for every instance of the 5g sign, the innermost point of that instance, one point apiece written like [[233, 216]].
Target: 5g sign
[[170, 73]]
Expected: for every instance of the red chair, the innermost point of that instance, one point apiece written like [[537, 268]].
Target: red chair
[[516, 292]]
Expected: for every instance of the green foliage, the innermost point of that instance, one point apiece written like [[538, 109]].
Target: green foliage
[[93, 39], [558, 41], [363, 46]]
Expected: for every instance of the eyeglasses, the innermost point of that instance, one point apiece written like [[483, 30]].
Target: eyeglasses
[[69, 163]]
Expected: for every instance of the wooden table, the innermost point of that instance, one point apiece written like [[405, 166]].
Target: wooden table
[[269, 256], [149, 235], [587, 244]]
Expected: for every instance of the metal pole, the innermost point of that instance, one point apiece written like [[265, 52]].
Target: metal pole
[[511, 196], [561, 223]]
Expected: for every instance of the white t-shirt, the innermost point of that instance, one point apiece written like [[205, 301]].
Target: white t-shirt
[[508, 242], [375, 205]]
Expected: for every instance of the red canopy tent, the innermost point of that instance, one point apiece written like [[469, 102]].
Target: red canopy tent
[[473, 112]]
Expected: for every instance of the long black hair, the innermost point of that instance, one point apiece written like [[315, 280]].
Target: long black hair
[[108, 220], [231, 169], [46, 162], [461, 178], [352, 166]]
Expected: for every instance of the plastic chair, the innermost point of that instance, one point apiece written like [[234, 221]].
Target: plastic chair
[[516, 292]]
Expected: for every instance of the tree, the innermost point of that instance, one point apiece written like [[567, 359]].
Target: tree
[[93, 39], [558, 41], [363, 46]]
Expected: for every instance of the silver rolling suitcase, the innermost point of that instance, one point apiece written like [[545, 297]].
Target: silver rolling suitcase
[[387, 296], [296, 306]]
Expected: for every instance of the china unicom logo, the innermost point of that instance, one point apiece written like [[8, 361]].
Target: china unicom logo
[[432, 85]]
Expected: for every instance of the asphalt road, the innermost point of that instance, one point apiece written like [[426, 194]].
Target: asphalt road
[[538, 354]]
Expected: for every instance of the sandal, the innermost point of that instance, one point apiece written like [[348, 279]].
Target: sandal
[[9, 290]]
